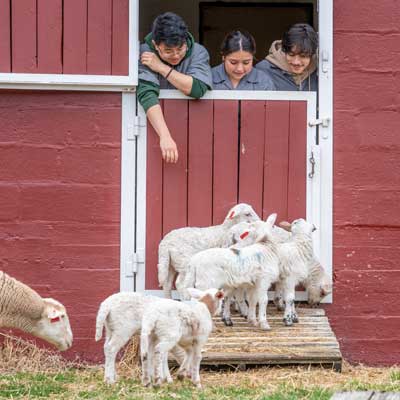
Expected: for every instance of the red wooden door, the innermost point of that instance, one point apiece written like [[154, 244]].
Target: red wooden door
[[231, 151]]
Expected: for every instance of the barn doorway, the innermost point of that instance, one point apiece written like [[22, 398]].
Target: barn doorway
[[209, 21]]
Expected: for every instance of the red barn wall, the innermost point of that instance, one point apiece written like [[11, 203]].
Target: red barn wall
[[60, 200], [365, 314]]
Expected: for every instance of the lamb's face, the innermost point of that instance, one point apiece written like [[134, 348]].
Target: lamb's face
[[242, 212], [302, 226], [54, 325], [318, 292]]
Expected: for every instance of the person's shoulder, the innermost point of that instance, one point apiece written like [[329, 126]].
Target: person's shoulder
[[265, 79], [263, 65], [144, 47], [199, 49]]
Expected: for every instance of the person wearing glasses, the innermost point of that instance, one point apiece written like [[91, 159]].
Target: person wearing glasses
[[170, 59], [292, 61], [236, 71]]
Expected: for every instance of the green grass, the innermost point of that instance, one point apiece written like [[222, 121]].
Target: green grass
[[257, 384]]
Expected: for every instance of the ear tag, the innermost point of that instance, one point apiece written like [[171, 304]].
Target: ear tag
[[244, 234], [56, 319]]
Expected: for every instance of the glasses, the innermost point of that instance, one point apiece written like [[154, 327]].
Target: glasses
[[171, 52]]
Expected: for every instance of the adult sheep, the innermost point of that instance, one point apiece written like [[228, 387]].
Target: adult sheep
[[23, 308], [179, 245]]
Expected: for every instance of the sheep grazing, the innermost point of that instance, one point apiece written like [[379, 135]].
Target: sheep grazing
[[23, 308], [253, 268], [121, 316], [169, 323], [179, 245]]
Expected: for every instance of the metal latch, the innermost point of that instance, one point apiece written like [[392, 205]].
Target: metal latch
[[134, 128], [312, 162], [320, 121]]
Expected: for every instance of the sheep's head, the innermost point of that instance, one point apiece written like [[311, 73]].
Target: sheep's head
[[54, 326], [212, 298], [264, 230], [318, 287], [241, 212], [298, 226]]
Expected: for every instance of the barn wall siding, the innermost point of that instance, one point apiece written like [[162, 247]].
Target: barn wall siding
[[365, 309], [60, 204]]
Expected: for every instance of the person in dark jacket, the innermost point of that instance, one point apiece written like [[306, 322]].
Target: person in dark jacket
[[292, 61], [236, 71], [170, 59]]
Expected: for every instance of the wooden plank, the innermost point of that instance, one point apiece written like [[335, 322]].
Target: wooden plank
[[200, 163], [5, 36], [386, 396], [75, 36], [99, 37], [23, 26], [353, 396], [276, 159], [154, 174], [251, 159], [175, 175], [120, 37], [297, 160], [49, 36], [225, 175]]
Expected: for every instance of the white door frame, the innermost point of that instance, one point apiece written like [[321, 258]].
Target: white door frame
[[313, 202]]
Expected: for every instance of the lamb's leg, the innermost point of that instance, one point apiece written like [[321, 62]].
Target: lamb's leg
[[169, 282], [226, 313], [184, 369], [241, 299], [252, 296], [160, 356], [146, 356], [112, 346], [262, 295], [278, 298], [288, 295], [195, 365]]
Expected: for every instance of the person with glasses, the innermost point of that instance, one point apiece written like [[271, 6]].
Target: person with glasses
[[236, 71], [292, 61], [170, 59]]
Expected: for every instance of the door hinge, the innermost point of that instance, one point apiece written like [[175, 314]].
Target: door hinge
[[134, 128], [133, 263], [319, 121]]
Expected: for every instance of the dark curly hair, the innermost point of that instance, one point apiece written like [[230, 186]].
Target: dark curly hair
[[170, 29], [301, 39]]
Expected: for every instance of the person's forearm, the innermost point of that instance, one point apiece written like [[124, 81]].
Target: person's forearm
[[181, 81], [156, 118]]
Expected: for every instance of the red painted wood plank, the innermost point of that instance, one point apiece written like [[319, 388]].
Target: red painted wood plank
[[225, 190], [251, 174], [175, 175], [75, 36], [154, 176], [5, 32], [49, 36], [276, 161], [24, 40], [99, 37], [200, 163], [120, 37], [297, 183]]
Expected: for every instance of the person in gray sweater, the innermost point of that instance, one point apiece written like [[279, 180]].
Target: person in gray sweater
[[292, 61], [236, 71]]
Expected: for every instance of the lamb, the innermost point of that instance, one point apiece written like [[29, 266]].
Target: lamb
[[23, 308], [121, 316], [254, 268], [179, 245], [170, 323]]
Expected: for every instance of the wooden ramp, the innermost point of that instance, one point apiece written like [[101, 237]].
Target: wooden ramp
[[311, 341]]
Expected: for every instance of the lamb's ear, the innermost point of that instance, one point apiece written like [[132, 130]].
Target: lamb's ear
[[195, 293], [314, 228], [234, 249], [263, 237], [271, 219], [286, 226]]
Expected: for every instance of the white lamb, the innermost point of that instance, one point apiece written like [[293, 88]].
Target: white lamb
[[253, 268], [169, 323], [179, 245], [21, 307], [121, 316]]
